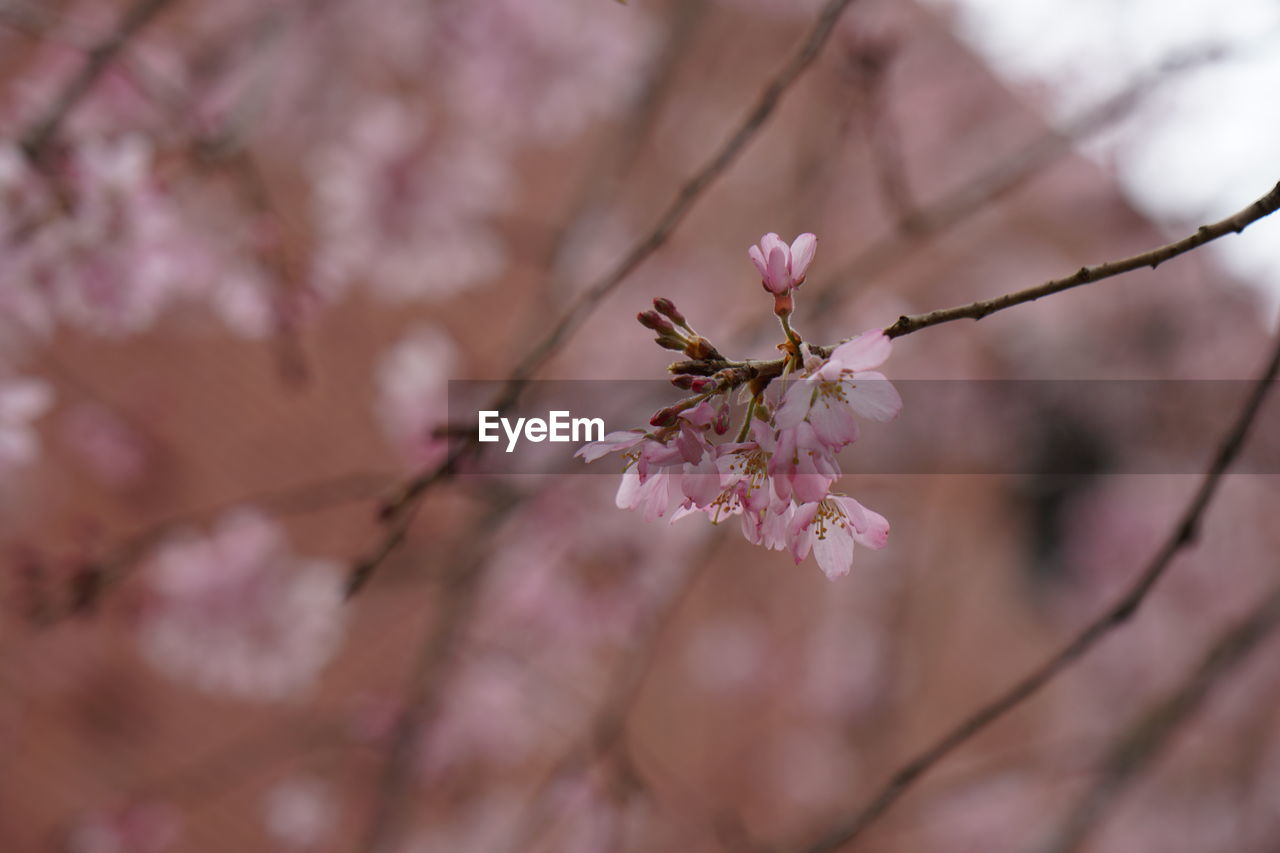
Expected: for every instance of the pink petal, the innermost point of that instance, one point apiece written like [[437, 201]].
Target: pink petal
[[802, 252], [868, 350], [833, 422], [778, 280], [611, 443], [757, 258], [834, 552], [873, 396]]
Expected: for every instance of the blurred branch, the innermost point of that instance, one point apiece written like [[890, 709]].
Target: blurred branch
[[37, 139], [458, 597], [398, 512], [1182, 536], [605, 736], [113, 565], [1143, 741], [1233, 224], [1003, 177]]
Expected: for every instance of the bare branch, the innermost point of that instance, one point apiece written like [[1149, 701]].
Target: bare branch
[[1146, 738], [1233, 224], [100, 57], [458, 599], [1004, 176], [1182, 536]]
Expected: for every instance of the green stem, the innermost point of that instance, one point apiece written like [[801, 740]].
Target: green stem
[[746, 422]]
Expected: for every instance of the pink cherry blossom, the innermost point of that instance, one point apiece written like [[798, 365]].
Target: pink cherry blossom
[[831, 527], [300, 813], [840, 388], [139, 827], [21, 402], [803, 467], [782, 267], [236, 612], [412, 382]]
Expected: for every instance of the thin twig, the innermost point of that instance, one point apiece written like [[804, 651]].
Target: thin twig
[[1233, 224], [1006, 174], [36, 140], [458, 598], [1140, 743], [1182, 536], [608, 726]]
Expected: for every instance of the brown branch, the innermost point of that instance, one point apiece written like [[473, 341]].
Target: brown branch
[[36, 140], [1233, 224], [687, 196], [1007, 174], [1182, 536], [458, 599], [606, 732], [1142, 742]]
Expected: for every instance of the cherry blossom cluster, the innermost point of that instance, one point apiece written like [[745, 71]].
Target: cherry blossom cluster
[[777, 474]]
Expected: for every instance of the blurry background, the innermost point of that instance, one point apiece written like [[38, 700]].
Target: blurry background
[[241, 267]]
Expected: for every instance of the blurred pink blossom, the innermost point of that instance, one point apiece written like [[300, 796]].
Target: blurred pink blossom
[[21, 402], [412, 382], [143, 827], [402, 206], [107, 446], [236, 612], [300, 813]]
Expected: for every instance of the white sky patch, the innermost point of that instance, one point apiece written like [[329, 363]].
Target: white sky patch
[[1200, 147]]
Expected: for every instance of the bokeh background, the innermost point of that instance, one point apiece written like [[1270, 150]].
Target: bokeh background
[[243, 264]]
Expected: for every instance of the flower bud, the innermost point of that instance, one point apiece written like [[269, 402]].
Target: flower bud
[[654, 320], [670, 342], [668, 308], [701, 349], [665, 417]]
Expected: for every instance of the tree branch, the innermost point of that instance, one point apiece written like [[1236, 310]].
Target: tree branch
[[1182, 536], [1145, 738], [36, 140], [1233, 224]]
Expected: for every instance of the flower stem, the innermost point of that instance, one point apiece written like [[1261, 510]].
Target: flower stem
[[746, 422]]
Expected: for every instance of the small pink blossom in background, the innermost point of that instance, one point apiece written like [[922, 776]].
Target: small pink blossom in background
[[412, 382], [782, 267], [493, 716], [300, 813], [236, 612], [404, 209], [146, 827], [544, 68], [21, 402], [109, 448]]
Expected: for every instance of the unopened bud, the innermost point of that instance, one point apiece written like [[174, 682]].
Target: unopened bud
[[654, 320], [684, 381], [669, 342], [668, 308], [701, 349], [665, 417]]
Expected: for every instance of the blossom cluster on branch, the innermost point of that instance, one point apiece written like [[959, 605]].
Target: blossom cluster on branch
[[777, 474]]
